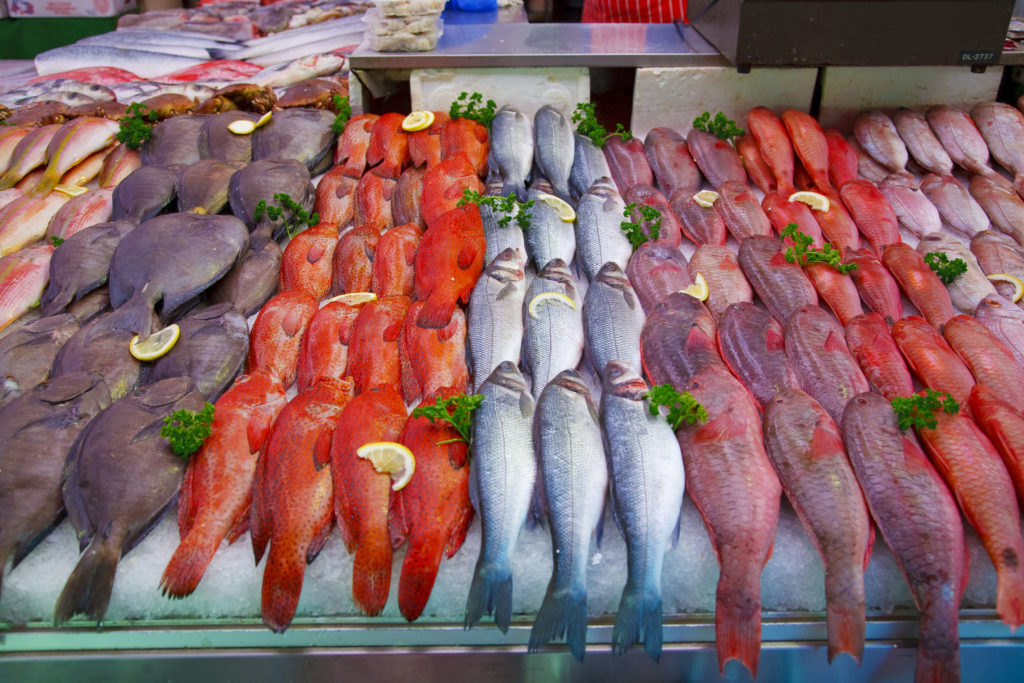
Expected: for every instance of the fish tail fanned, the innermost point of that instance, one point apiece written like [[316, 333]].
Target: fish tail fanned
[[88, 589], [490, 592], [563, 613], [738, 618], [282, 584], [938, 647], [639, 619], [846, 625], [419, 569], [371, 572], [187, 565]]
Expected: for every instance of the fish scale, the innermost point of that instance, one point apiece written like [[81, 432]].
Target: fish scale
[[554, 149], [553, 340], [669, 158], [496, 316], [599, 237], [872, 345], [548, 237], [971, 286], [1001, 204], [656, 270], [912, 208], [751, 342], [921, 142], [880, 140], [612, 320], [512, 150], [781, 285], [715, 158]]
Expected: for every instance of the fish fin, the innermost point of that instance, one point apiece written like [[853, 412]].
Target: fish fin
[[914, 457], [315, 253], [411, 389], [676, 530], [22, 549], [449, 330], [937, 665], [507, 291], [698, 342], [321, 533], [458, 534], [737, 625], [188, 564], [419, 570], [322, 450], [241, 523], [722, 428], [134, 315], [371, 572], [1010, 592], [437, 310], [846, 624], [398, 523], [639, 618], [259, 518], [526, 405], [779, 260], [292, 323], [46, 183], [826, 441], [88, 589], [563, 613], [393, 331], [474, 490], [834, 343], [467, 255], [186, 504], [773, 340], [490, 592], [282, 584], [259, 426]]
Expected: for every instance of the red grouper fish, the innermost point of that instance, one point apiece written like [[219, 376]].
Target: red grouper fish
[[810, 146], [293, 498], [373, 358], [216, 494], [276, 337], [443, 186], [449, 261], [806, 448], [350, 155], [372, 205], [872, 345], [776, 148], [435, 507], [353, 260], [387, 153], [466, 138], [335, 198], [1004, 425], [432, 358], [425, 145], [920, 522], [394, 261], [325, 344], [362, 495], [306, 262]]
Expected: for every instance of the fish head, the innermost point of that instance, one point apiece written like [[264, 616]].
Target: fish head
[[621, 379], [540, 185], [507, 375], [507, 266], [556, 270]]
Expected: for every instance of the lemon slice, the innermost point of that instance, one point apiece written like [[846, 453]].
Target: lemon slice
[[245, 126], [418, 120], [706, 198], [699, 289], [1018, 290], [389, 457], [354, 298], [565, 211], [536, 301], [815, 200], [156, 344], [71, 190]]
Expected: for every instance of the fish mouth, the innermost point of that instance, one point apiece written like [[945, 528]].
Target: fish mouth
[[625, 380], [571, 380]]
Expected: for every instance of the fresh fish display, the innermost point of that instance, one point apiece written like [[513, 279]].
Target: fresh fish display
[[809, 145], [118, 164], [335, 196], [921, 142], [324, 353], [987, 358], [998, 253], [25, 220], [432, 358], [73, 142], [501, 237], [872, 214], [27, 353], [23, 277], [670, 230], [373, 355], [960, 138], [144, 193], [912, 208], [842, 159], [741, 211], [1002, 127], [970, 287], [781, 212], [757, 168], [394, 261], [81, 212], [174, 141], [307, 261], [957, 207], [275, 340], [1001, 204], [627, 162], [203, 186], [86, 170], [511, 139], [449, 261], [612, 320], [656, 270], [354, 143], [677, 342], [554, 149], [302, 135], [261, 180], [144, 63], [879, 357], [553, 333], [878, 137], [752, 344], [216, 141], [588, 166], [715, 158], [495, 316], [599, 239], [702, 225], [103, 349], [1004, 426], [838, 227], [775, 146], [726, 281], [387, 153], [931, 359], [353, 260], [82, 265], [781, 285], [670, 161], [9, 139], [920, 283], [253, 279], [443, 187], [297, 70], [425, 145]]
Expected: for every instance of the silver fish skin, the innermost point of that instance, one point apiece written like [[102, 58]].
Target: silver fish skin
[[647, 481], [548, 237], [1004, 319], [1001, 204], [969, 288], [726, 282], [553, 340], [921, 142], [1002, 127], [877, 135], [320, 46], [957, 207], [867, 167], [612, 319], [496, 316], [997, 253], [715, 158], [297, 70], [913, 209], [960, 137], [286, 39], [588, 166], [500, 237], [599, 237], [554, 149], [512, 150], [669, 158], [142, 63], [122, 38], [503, 475], [574, 477]]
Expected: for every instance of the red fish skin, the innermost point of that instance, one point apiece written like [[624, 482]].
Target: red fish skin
[[679, 341], [436, 506], [776, 148], [988, 359], [353, 144], [781, 285], [23, 277], [741, 211], [100, 75], [655, 270], [216, 493], [229, 69], [388, 152], [406, 199], [920, 283], [373, 358], [877, 287], [835, 289], [842, 159], [394, 260], [737, 493], [872, 214], [425, 145], [325, 345], [752, 344], [930, 358], [306, 262], [362, 495], [276, 337], [781, 212], [292, 507], [699, 224], [443, 186], [449, 261], [669, 158], [726, 282], [372, 205], [809, 145], [974, 471], [837, 226], [758, 170], [647, 195], [335, 198], [879, 357], [466, 138], [352, 262], [1004, 426], [432, 358], [627, 162]]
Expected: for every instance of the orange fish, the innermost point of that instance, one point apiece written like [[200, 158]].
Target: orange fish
[[276, 336], [292, 498], [842, 159], [931, 358], [435, 507], [449, 261], [23, 277], [306, 263], [325, 345], [920, 283], [443, 186], [373, 202], [353, 260], [877, 287], [872, 213], [756, 167], [837, 226], [216, 493], [432, 358], [776, 149], [987, 357], [810, 146], [394, 260], [425, 145], [781, 212], [1004, 425], [872, 345], [466, 138], [353, 144], [373, 358], [335, 198], [362, 496], [388, 152], [836, 289]]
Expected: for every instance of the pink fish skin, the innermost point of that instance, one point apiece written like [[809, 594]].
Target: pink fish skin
[[751, 342], [836, 289], [1004, 426], [306, 262], [877, 287], [26, 219], [1001, 204], [76, 140], [776, 148], [353, 260], [432, 358], [715, 158], [700, 224], [838, 227], [406, 199], [726, 282], [872, 345], [921, 142], [872, 214], [81, 212], [998, 253], [627, 163], [1004, 319], [810, 146], [920, 283], [23, 277], [912, 208], [647, 195], [878, 137], [781, 285], [842, 159], [677, 341], [960, 138], [335, 198], [669, 158], [1002, 127], [656, 270], [930, 357], [759, 171], [956, 206], [867, 167], [741, 211], [781, 212], [988, 359]]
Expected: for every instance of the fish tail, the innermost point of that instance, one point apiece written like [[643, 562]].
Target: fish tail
[[514, 186], [491, 592], [563, 613], [786, 189], [134, 315], [419, 569], [437, 311], [46, 183], [738, 618], [88, 589], [55, 302], [10, 179], [188, 564], [282, 584], [938, 649], [371, 572], [846, 623], [1010, 596], [639, 619]]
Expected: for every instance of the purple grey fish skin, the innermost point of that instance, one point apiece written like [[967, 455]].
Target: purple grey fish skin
[[1005, 320], [752, 343], [144, 193], [816, 346], [781, 285], [28, 154], [726, 282], [969, 288], [913, 209], [27, 353], [921, 142], [203, 186], [81, 264], [997, 253], [217, 142], [1001, 204], [867, 167], [254, 279], [304, 135], [669, 158], [656, 270], [648, 195], [38, 429], [960, 137], [554, 149], [174, 141], [919, 520], [701, 224], [627, 162], [1002, 128], [612, 320], [678, 341], [877, 135], [806, 449], [716, 159], [121, 477], [958, 208], [742, 211], [261, 180]]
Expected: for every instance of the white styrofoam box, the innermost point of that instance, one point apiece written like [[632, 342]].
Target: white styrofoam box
[[674, 96], [847, 90], [26, 9], [526, 89]]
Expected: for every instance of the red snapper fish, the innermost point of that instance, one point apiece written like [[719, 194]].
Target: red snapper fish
[[306, 263], [353, 260], [276, 336], [394, 261], [466, 138], [776, 148], [449, 261], [425, 145], [335, 198]]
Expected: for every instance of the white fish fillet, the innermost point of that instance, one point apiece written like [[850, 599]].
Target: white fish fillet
[[143, 63]]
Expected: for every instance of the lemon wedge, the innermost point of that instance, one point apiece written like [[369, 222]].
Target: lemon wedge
[[699, 289], [354, 298], [536, 301], [706, 198], [71, 190], [390, 457], [815, 200], [245, 126], [156, 344], [418, 120], [565, 211], [1018, 286]]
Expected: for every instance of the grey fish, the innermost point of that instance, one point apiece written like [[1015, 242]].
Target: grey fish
[[574, 476], [499, 237], [969, 288], [496, 316], [27, 353], [217, 142], [960, 137], [1001, 204], [715, 158], [554, 148], [169, 260], [599, 237], [203, 186], [38, 429], [646, 467], [125, 37], [921, 142], [121, 478], [144, 193], [142, 63], [303, 135], [588, 165], [997, 253], [781, 285], [877, 135], [548, 237], [81, 264], [612, 319], [913, 209], [553, 340], [261, 180], [958, 208], [512, 150], [89, 306], [182, 49], [253, 280], [502, 475], [174, 141], [1005, 320]]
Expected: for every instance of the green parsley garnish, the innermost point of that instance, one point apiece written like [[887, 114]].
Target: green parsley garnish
[[57, 241], [468, 106], [720, 126], [585, 118], [682, 407], [946, 270], [646, 229], [136, 126], [456, 411], [919, 410], [292, 223], [186, 430], [510, 206], [344, 110], [803, 253]]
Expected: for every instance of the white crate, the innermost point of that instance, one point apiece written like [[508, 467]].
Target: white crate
[[526, 89]]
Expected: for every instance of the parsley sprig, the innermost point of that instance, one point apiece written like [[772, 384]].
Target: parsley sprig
[[467, 106], [456, 411], [646, 229], [720, 126], [585, 118], [682, 407], [57, 241], [136, 126], [298, 216], [186, 430], [946, 270], [510, 206], [919, 410], [344, 112], [803, 253]]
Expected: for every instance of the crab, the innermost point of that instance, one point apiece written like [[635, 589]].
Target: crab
[[244, 96], [39, 114], [114, 111], [169, 104], [314, 93]]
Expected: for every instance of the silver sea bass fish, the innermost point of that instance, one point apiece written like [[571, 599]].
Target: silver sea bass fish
[[512, 150], [647, 482], [500, 237], [548, 237], [553, 339], [612, 319], [599, 236], [554, 148], [502, 475], [496, 316], [588, 164], [574, 476]]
